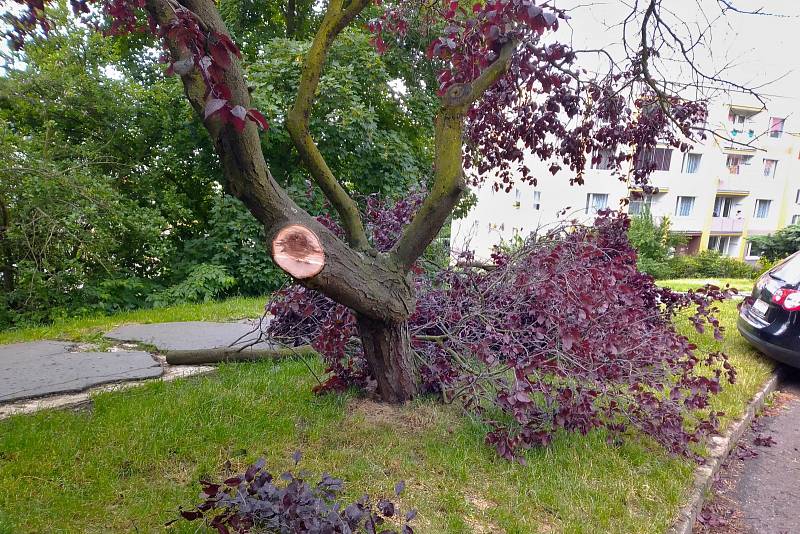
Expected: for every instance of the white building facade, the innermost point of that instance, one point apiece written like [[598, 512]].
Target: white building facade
[[743, 181]]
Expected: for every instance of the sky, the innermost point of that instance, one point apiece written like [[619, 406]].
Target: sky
[[756, 48]]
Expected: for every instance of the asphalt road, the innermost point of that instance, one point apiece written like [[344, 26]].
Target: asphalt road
[[768, 488]]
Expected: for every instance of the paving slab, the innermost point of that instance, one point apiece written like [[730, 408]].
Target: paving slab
[[768, 489], [191, 335], [49, 367]]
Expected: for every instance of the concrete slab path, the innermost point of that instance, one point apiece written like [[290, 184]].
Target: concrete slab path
[[192, 335], [50, 367]]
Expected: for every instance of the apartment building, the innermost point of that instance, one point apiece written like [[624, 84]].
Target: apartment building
[[742, 181]]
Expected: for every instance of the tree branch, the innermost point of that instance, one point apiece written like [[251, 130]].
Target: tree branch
[[459, 97], [448, 184], [297, 122], [369, 285]]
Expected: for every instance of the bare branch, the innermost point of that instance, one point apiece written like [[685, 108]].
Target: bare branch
[[727, 5]]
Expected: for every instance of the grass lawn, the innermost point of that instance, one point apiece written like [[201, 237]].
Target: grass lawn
[[130, 461], [744, 285]]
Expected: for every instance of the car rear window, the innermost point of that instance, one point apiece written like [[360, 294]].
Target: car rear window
[[789, 270]]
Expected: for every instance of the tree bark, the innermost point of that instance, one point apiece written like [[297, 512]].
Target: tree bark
[[387, 349], [231, 354]]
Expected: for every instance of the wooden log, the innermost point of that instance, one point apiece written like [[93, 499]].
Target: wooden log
[[232, 354], [298, 251]]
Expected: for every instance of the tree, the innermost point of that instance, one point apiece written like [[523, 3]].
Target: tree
[[654, 243], [68, 231], [503, 88], [779, 245]]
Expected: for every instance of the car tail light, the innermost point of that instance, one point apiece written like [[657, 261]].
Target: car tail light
[[788, 299]]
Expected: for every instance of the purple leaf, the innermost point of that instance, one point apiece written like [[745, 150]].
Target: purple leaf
[[213, 105]]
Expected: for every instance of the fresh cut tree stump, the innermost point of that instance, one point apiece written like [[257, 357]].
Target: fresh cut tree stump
[[298, 251]]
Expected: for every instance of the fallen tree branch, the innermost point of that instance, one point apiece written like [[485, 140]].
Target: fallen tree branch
[[231, 354]]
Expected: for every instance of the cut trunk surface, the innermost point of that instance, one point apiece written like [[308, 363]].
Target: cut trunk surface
[[387, 349]]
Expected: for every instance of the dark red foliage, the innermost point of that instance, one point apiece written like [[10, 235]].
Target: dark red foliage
[[764, 441], [545, 107], [256, 501], [563, 334]]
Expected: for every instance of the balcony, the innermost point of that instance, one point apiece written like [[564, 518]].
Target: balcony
[[692, 224], [737, 184], [727, 225]]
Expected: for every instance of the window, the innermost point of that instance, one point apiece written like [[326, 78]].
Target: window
[[776, 127], [640, 205], [684, 206], [762, 208], [769, 167], [795, 219], [517, 198], [753, 251], [537, 200], [737, 161], [788, 271], [596, 202], [797, 197], [719, 243], [691, 163], [602, 160], [736, 118], [658, 158], [723, 206]]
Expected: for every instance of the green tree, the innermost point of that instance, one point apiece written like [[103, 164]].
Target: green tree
[[779, 245], [79, 97], [376, 139], [68, 233], [652, 237]]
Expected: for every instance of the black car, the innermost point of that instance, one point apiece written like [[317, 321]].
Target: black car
[[770, 318]]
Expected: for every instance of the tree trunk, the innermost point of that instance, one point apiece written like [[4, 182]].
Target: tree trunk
[[387, 348]]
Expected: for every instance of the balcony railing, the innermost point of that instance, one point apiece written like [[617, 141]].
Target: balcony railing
[[738, 182], [727, 224]]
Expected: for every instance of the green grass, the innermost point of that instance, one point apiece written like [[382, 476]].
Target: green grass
[[90, 328], [130, 461], [743, 285], [752, 368]]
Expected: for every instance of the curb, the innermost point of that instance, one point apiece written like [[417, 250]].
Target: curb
[[720, 448]]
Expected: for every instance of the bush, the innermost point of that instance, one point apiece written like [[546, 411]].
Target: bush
[[234, 242], [653, 240], [708, 264], [563, 333], [258, 502], [656, 245], [203, 284], [658, 269], [779, 245]]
